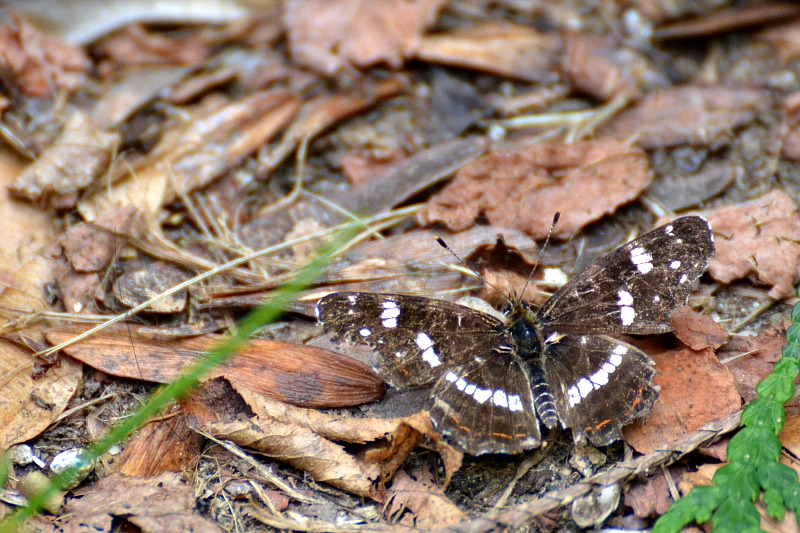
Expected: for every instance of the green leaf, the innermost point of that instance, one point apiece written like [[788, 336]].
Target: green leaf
[[5, 468], [753, 446], [696, 506], [788, 367], [796, 310], [793, 331], [764, 413], [736, 514], [774, 504], [777, 387], [737, 481], [791, 350]]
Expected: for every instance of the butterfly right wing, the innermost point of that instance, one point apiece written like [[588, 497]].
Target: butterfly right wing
[[486, 405], [417, 338]]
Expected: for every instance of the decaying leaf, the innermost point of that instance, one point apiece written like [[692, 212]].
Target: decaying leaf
[[38, 64], [701, 116], [697, 331], [418, 493], [79, 157], [28, 405], [332, 35], [523, 189], [680, 409], [751, 358], [160, 503], [510, 50], [292, 373], [759, 240]]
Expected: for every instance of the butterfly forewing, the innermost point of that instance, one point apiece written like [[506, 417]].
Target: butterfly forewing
[[600, 384], [417, 338], [486, 405], [634, 288]]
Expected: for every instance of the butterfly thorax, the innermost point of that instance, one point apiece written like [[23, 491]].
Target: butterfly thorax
[[527, 337]]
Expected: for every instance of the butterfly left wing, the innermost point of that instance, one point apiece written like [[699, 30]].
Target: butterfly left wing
[[635, 288], [417, 338], [486, 405], [599, 384]]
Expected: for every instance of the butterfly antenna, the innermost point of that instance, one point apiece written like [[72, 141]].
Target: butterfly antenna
[[542, 250], [478, 274]]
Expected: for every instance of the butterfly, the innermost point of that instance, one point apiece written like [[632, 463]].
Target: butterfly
[[496, 380]]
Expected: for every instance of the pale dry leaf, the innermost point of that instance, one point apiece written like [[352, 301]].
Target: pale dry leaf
[[759, 240]]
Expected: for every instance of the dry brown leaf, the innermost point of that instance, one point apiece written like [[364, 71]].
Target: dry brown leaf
[[303, 449], [195, 152], [154, 504], [39, 65], [695, 389], [759, 240], [584, 181], [166, 444], [791, 126], [293, 373], [135, 45], [419, 494], [79, 156], [27, 405], [506, 49], [697, 331], [760, 355], [650, 497], [332, 35], [27, 233], [695, 115], [599, 66], [784, 39]]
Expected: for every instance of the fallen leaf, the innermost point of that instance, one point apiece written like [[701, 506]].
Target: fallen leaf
[[302, 448], [791, 126], [331, 35], [293, 373], [650, 497], [695, 115], [37, 64], [695, 389], [759, 240], [419, 494], [599, 66], [751, 359], [27, 405], [510, 50], [584, 181], [161, 503], [79, 156], [697, 331]]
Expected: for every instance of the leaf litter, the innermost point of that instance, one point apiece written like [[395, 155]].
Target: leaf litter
[[151, 155]]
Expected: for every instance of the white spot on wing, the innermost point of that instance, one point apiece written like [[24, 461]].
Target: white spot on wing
[[584, 387], [431, 357], [500, 399], [675, 265], [515, 403], [365, 332], [642, 260], [481, 395], [684, 278], [423, 341], [351, 298], [627, 313], [574, 396], [625, 298]]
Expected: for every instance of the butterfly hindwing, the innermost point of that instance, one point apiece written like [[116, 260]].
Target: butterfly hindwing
[[599, 383], [634, 288], [417, 338], [486, 406]]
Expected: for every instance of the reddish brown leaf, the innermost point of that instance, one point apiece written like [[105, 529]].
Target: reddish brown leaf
[[751, 359], [696, 115], [695, 390], [791, 126], [650, 497], [332, 35], [292, 373], [697, 331], [584, 181], [599, 66], [506, 49], [39, 65], [759, 240]]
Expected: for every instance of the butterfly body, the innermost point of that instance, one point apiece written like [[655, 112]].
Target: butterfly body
[[496, 379]]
